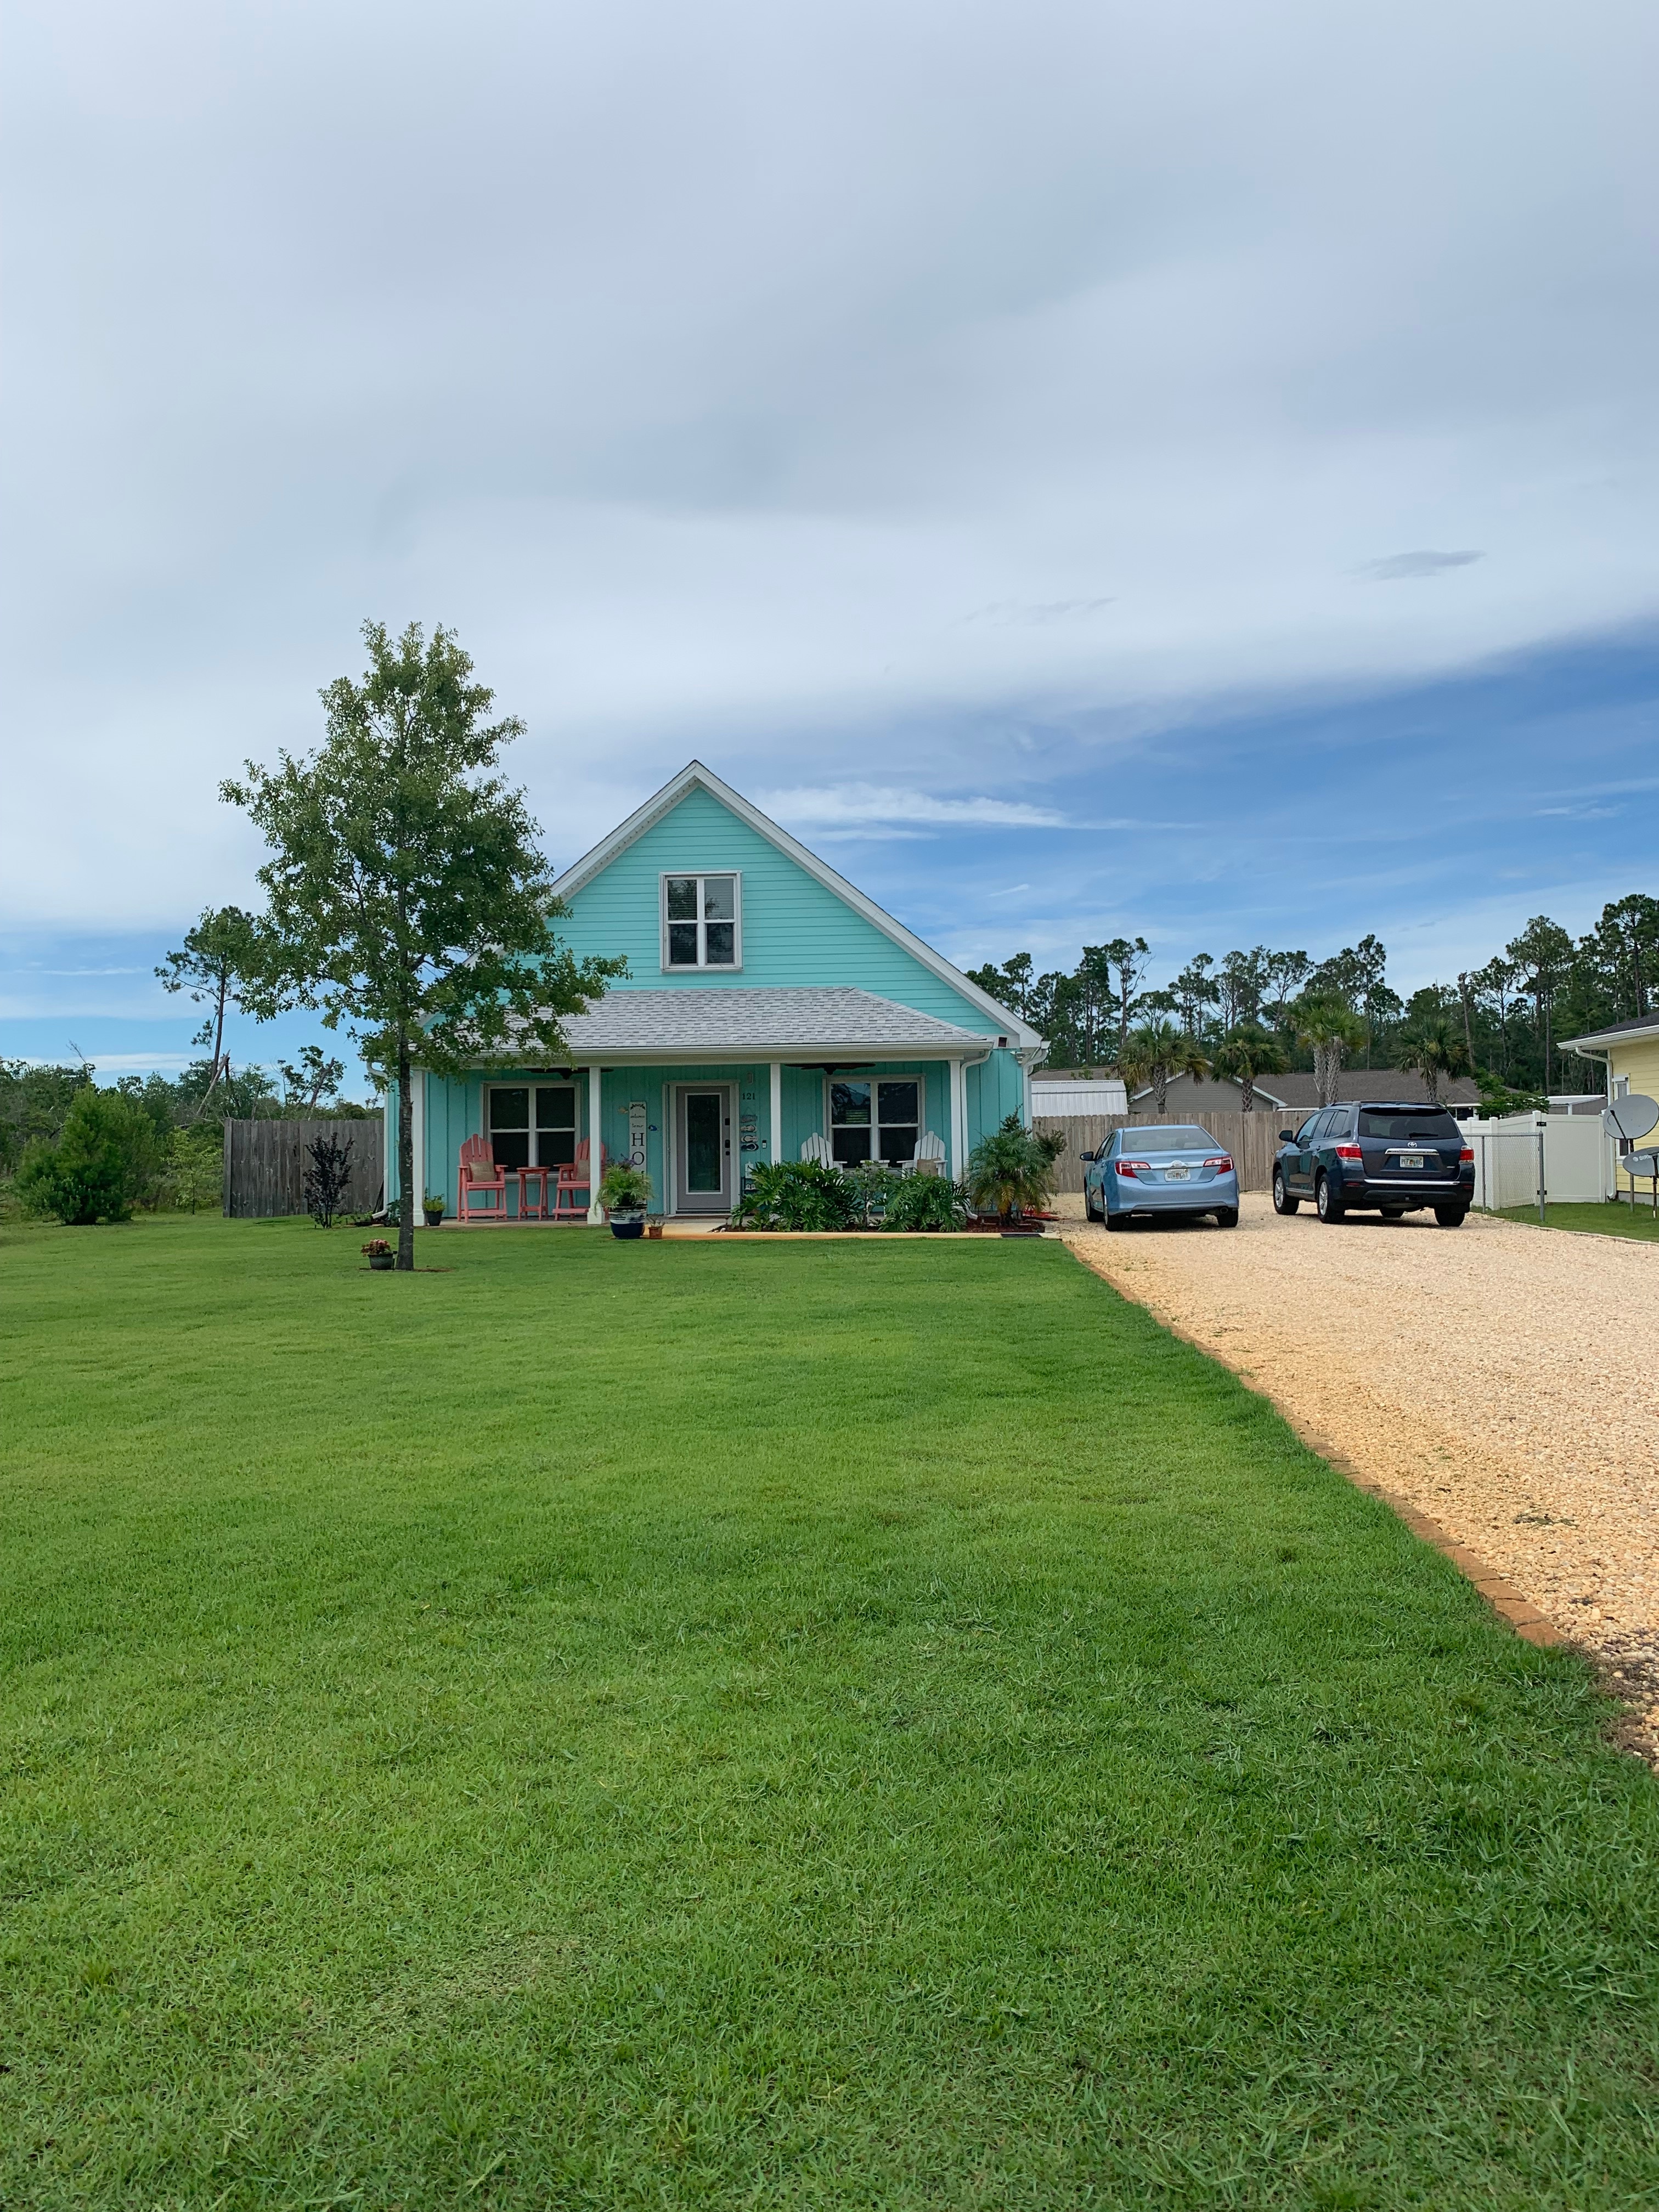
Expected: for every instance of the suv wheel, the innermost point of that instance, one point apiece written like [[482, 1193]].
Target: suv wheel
[[1451, 1216], [1283, 1202], [1327, 1199]]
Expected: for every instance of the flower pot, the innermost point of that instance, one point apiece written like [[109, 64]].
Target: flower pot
[[382, 1260], [627, 1224], [434, 1215]]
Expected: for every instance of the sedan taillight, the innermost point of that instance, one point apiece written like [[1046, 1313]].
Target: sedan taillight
[[1349, 1152], [1221, 1163], [1129, 1167]]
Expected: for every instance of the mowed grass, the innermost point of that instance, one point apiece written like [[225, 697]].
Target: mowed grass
[[781, 1725], [1614, 1218]]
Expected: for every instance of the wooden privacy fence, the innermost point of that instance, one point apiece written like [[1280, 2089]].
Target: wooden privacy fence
[[265, 1164], [1252, 1139]]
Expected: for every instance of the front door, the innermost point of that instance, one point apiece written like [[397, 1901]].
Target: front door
[[702, 1148]]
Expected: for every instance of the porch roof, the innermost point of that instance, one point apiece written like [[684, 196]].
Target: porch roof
[[731, 1022]]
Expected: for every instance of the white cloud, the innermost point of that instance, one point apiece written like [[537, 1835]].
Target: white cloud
[[704, 368], [838, 806]]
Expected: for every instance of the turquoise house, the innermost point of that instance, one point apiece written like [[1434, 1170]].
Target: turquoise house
[[771, 1012]]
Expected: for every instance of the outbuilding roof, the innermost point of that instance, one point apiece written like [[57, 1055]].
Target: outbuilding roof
[[736, 1022]]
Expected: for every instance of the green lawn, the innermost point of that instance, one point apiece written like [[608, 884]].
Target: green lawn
[[1615, 1218], [795, 1725]]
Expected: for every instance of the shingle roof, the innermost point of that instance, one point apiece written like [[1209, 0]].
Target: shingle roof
[[1615, 1030], [1354, 1085], [717, 1021]]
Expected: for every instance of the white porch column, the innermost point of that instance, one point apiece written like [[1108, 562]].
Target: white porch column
[[595, 1132], [777, 1111], [418, 1108], [958, 1120]]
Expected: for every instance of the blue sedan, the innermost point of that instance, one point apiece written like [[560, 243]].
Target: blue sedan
[[1142, 1175]]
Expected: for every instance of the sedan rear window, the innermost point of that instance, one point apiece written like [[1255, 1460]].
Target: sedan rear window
[[1174, 1140], [1401, 1128]]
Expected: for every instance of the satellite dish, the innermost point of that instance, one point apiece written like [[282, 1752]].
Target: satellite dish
[[1641, 1164], [1630, 1117]]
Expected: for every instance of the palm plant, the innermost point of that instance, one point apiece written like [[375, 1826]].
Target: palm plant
[[1010, 1171], [1331, 1029], [1247, 1051], [1157, 1051], [1435, 1049]]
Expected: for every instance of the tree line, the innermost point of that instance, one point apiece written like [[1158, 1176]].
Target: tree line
[[1262, 1011]]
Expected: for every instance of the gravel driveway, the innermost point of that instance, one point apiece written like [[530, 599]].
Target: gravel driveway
[[1503, 1379]]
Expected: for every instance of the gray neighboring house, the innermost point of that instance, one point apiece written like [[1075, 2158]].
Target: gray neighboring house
[[1298, 1095]]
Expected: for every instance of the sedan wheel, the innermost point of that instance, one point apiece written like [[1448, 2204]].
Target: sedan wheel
[[1327, 1200], [1283, 1202], [1227, 1217]]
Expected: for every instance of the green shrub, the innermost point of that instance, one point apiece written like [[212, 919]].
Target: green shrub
[[1011, 1171], [797, 1195], [107, 1158], [195, 1167], [927, 1201], [872, 1184]]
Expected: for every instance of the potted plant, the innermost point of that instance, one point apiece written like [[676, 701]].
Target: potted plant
[[380, 1253], [625, 1194], [433, 1207]]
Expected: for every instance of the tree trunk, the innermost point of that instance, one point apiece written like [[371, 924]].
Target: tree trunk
[[1431, 1080], [411, 1197], [1246, 1092], [1160, 1089]]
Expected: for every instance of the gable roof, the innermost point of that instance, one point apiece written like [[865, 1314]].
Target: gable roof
[[693, 775], [834, 1021]]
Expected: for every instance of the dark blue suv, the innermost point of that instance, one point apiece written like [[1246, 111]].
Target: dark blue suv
[[1378, 1158]]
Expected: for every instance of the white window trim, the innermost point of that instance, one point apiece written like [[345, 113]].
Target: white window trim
[[887, 1075], [702, 968], [533, 1084]]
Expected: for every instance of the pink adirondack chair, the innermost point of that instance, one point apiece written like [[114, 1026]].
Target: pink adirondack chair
[[576, 1176], [479, 1174]]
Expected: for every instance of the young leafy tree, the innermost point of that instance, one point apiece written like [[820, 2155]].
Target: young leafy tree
[[1246, 1052], [107, 1158], [1154, 1053], [407, 898], [215, 965]]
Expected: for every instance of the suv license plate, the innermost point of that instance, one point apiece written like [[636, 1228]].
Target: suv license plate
[[1175, 1174], [1411, 1159]]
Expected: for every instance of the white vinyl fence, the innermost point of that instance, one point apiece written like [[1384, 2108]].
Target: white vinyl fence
[[1577, 1159]]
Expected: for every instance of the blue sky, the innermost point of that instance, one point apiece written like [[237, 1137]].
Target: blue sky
[[1083, 468]]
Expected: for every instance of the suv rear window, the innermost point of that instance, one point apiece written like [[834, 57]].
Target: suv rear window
[[1401, 1128]]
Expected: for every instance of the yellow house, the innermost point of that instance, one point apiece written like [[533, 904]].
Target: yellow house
[[1628, 1054]]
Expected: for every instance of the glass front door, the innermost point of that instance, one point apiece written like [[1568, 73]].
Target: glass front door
[[703, 1151]]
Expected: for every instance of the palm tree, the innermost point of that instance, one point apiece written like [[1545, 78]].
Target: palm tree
[[1435, 1049], [1331, 1029], [1011, 1171], [1247, 1051], [1155, 1052]]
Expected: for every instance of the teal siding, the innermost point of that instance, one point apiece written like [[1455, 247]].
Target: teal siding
[[454, 1109], [795, 930]]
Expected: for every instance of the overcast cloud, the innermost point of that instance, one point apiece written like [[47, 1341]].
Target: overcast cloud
[[919, 411]]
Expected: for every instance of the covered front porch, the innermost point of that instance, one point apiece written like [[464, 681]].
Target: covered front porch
[[696, 1122]]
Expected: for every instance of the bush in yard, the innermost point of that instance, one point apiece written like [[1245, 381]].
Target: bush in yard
[[872, 1184], [195, 1166], [327, 1178], [797, 1195], [1010, 1171], [108, 1156], [927, 1201]]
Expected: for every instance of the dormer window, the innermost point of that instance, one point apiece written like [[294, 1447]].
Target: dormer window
[[702, 921]]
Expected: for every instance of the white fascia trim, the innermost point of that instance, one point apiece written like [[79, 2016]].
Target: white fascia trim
[[695, 774], [1609, 1039]]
